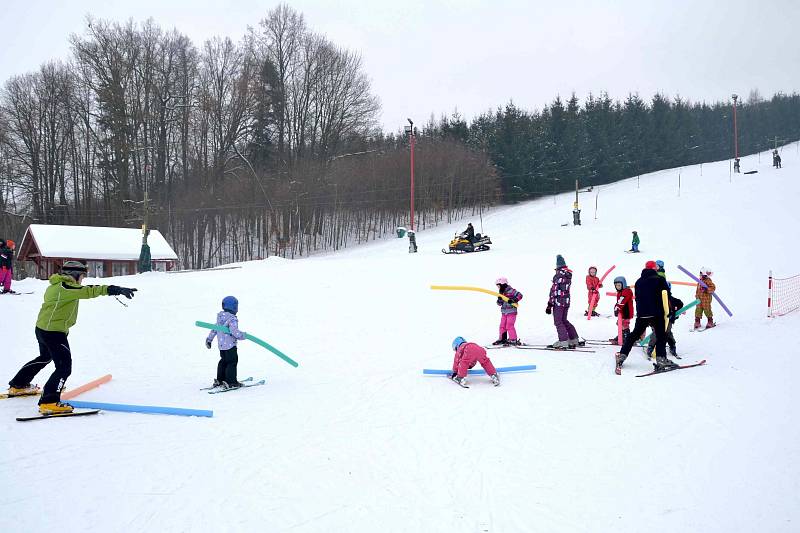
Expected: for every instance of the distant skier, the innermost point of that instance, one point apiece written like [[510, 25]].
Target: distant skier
[[58, 314], [226, 342], [635, 243], [558, 306], [704, 295], [593, 285], [650, 311], [624, 307], [776, 159], [6, 265], [508, 313], [466, 355]]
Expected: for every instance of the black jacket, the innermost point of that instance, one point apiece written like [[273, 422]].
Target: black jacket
[[648, 294], [6, 257]]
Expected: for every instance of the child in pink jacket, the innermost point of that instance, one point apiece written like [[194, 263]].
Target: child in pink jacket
[[467, 354]]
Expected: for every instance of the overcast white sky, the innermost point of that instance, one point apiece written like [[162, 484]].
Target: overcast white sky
[[473, 55]]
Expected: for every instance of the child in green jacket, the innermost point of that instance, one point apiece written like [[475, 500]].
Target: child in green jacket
[[58, 313]]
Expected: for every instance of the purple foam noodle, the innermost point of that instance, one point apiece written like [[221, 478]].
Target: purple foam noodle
[[714, 294]]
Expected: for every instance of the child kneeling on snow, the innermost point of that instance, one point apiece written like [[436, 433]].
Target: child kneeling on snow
[[467, 354], [508, 313], [228, 355]]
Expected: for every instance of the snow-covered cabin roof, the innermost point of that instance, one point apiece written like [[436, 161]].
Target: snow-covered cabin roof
[[90, 242]]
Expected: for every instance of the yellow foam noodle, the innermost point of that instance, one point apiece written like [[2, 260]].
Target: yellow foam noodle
[[464, 288], [665, 300]]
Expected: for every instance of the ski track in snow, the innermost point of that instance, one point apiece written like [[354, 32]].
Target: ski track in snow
[[356, 439]]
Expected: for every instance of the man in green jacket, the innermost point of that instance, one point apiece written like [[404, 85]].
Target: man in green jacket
[[58, 313]]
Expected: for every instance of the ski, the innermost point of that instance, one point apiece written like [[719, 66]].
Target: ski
[[15, 293], [601, 343], [219, 390], [481, 372], [59, 415], [536, 347], [671, 369], [240, 381]]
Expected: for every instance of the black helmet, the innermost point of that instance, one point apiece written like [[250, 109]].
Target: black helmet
[[74, 269]]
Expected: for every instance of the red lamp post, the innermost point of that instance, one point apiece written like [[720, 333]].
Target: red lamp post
[[735, 132]]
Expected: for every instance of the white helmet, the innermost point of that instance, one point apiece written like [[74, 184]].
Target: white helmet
[[705, 271]]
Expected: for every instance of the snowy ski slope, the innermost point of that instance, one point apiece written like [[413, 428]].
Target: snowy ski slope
[[357, 440]]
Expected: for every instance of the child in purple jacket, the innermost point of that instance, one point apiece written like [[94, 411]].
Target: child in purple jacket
[[508, 313], [558, 306], [229, 358]]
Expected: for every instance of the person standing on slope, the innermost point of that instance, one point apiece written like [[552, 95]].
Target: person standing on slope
[[704, 295], [593, 285], [58, 314], [651, 290], [6, 265], [226, 342], [624, 307], [558, 306], [635, 243], [466, 355], [674, 305], [508, 313]]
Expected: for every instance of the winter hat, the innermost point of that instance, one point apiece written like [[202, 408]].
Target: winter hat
[[502, 280], [74, 269], [560, 261], [458, 341], [651, 265], [590, 270], [621, 279], [10, 244], [660, 263], [705, 271], [230, 304]]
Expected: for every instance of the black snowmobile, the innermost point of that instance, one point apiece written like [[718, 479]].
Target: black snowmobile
[[461, 244]]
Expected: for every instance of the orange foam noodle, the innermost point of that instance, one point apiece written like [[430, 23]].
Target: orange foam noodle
[[83, 388]]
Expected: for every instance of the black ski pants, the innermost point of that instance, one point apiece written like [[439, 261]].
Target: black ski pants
[[226, 368], [642, 323], [53, 346]]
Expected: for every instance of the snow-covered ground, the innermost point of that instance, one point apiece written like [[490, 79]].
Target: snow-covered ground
[[356, 439]]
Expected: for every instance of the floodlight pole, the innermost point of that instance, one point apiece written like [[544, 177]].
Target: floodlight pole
[[735, 131], [412, 140]]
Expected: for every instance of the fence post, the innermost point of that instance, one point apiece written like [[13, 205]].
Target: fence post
[[769, 296]]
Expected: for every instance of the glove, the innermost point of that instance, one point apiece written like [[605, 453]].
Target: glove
[[511, 301], [208, 344], [704, 289], [499, 301], [616, 311], [114, 290], [549, 310]]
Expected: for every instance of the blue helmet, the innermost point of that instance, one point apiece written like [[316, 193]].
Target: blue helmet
[[660, 263], [458, 341], [230, 304]]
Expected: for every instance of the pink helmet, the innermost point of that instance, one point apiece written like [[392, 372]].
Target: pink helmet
[[502, 280]]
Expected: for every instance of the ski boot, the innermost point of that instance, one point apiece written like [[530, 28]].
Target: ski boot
[[234, 385], [696, 323], [27, 390], [619, 358], [614, 341], [560, 345], [577, 341], [514, 342], [710, 323], [595, 313], [503, 340], [217, 383], [461, 381], [662, 364], [495, 379], [55, 408]]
